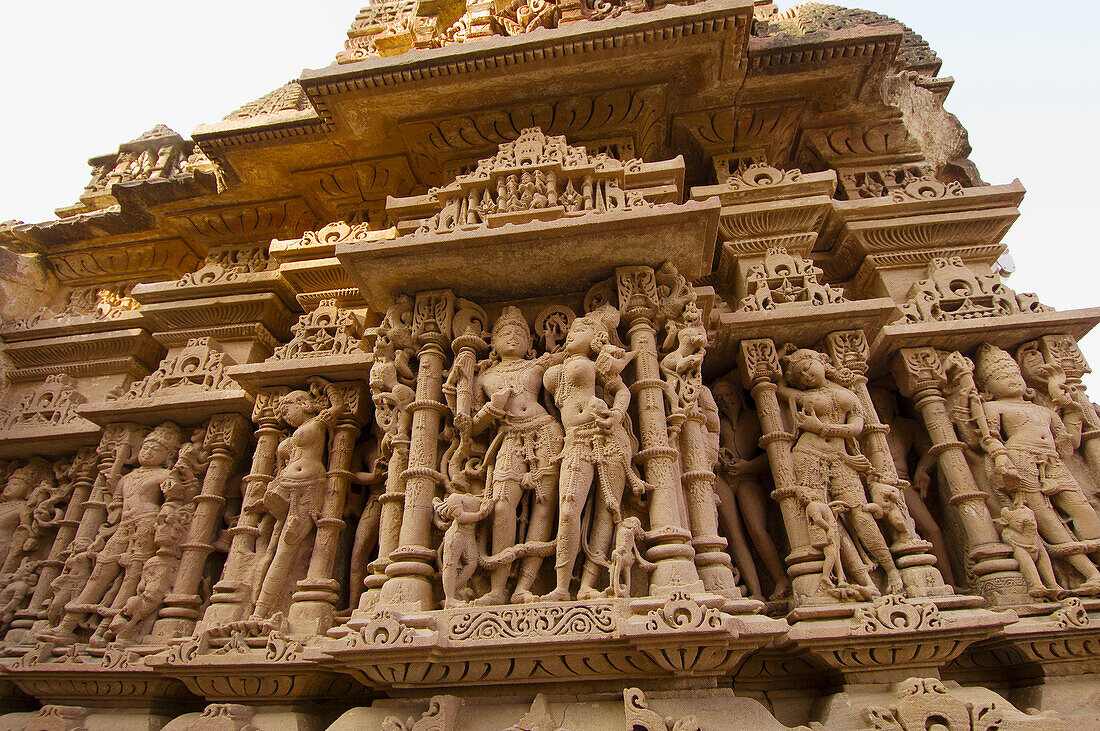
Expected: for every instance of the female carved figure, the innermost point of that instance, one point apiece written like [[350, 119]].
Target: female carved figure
[[741, 491], [825, 536], [626, 555], [522, 456], [294, 495], [828, 419], [458, 515], [1025, 442], [597, 444], [682, 367], [131, 542], [370, 516]]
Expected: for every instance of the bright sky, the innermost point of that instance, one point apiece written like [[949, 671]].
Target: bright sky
[[83, 77]]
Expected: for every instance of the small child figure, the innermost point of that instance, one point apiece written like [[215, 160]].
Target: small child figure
[[459, 549], [825, 536], [15, 592], [1020, 530], [625, 555]]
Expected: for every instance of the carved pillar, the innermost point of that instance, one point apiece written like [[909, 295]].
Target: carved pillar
[[315, 601], [994, 572], [848, 349], [670, 548], [713, 562], [233, 594], [1062, 350], [84, 471], [225, 440], [393, 500], [411, 572], [758, 363]]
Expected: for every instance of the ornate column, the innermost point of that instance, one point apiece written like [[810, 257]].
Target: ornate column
[[994, 573], [233, 594], [411, 572], [670, 548], [711, 559], [758, 363], [225, 441], [315, 601], [848, 349], [84, 470]]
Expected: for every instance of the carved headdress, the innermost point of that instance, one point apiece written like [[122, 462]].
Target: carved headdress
[[991, 362], [512, 316], [167, 435]]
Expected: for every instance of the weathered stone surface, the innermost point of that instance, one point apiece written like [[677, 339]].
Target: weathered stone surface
[[544, 366]]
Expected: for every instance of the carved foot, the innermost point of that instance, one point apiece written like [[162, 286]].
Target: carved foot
[[894, 584], [587, 592], [490, 599], [1089, 588], [782, 591], [523, 596], [557, 595]]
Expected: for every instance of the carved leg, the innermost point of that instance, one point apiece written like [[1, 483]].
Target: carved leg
[[287, 551], [734, 531], [540, 529], [930, 530], [366, 539], [576, 481], [504, 536], [602, 532], [751, 500]]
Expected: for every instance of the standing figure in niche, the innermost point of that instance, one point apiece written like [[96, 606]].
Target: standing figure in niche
[[25, 489], [1025, 443], [825, 536], [828, 419], [597, 445], [682, 367], [294, 495], [370, 516], [742, 492], [131, 543], [626, 555], [523, 454], [905, 437], [16, 592], [458, 515]]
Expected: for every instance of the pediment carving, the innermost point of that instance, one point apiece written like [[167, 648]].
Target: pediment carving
[[953, 291]]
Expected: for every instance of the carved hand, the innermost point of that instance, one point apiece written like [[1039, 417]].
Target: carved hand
[[1002, 465]]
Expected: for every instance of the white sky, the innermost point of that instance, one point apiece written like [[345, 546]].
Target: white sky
[[83, 77]]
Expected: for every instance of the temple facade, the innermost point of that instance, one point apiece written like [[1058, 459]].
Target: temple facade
[[549, 365]]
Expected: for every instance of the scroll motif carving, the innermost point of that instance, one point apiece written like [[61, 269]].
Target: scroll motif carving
[[783, 279], [900, 184], [327, 330], [953, 291], [225, 264], [200, 366], [536, 177], [52, 403]]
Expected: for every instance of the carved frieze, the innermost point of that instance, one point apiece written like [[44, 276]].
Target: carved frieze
[[953, 291]]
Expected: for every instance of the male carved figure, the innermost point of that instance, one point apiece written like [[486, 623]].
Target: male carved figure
[[1025, 442], [741, 491], [626, 555], [18, 503], [1020, 530], [597, 445], [131, 543], [828, 419], [523, 455], [459, 550]]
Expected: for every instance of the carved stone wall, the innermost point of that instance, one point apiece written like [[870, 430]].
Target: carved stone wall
[[613, 365]]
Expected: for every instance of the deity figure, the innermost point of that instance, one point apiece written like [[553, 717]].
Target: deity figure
[[137, 610], [16, 592], [130, 545], [26, 488], [598, 445], [742, 492], [295, 494], [828, 419], [825, 536], [522, 455], [905, 437], [1025, 444]]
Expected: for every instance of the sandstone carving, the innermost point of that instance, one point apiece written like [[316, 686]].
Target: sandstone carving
[[536, 354]]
